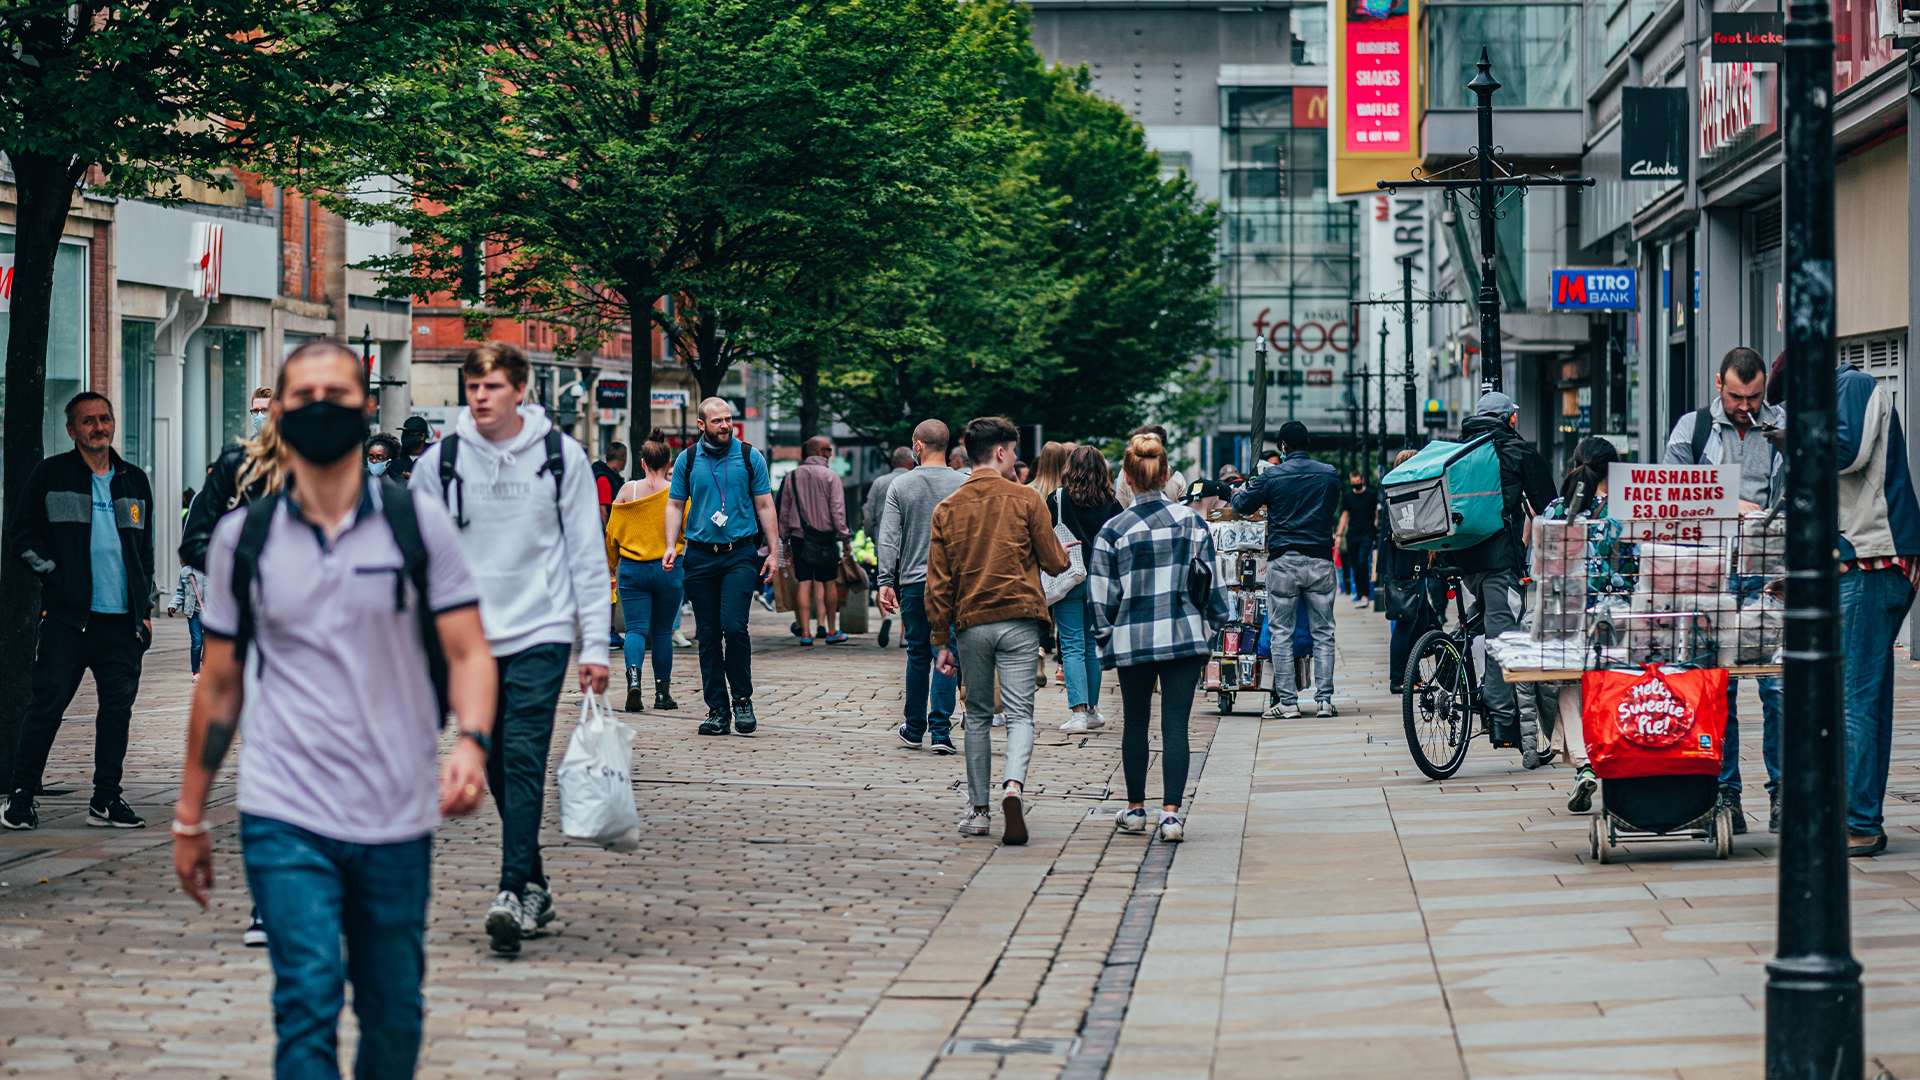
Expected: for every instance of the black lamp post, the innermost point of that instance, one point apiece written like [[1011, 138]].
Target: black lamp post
[[1485, 190], [1814, 1028], [1258, 427]]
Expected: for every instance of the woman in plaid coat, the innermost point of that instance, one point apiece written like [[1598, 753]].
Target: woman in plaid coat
[[1150, 631]]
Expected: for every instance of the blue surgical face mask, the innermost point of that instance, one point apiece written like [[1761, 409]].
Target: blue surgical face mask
[[257, 419], [377, 468]]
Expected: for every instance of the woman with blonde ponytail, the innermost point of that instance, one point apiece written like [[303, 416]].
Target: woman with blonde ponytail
[[1153, 630]]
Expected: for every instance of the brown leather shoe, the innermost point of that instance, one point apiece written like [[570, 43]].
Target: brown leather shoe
[[1859, 847]]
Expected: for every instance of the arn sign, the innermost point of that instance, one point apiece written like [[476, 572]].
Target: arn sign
[[1594, 290]]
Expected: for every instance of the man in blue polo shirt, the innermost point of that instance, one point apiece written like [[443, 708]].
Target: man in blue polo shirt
[[721, 490]]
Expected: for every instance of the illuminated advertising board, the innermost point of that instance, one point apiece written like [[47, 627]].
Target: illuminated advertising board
[[1376, 93]]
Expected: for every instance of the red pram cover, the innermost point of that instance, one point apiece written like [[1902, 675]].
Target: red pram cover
[[1654, 722]]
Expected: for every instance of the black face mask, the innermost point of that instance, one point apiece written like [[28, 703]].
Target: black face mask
[[323, 432]]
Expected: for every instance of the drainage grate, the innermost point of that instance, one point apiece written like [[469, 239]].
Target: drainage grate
[[996, 1047]]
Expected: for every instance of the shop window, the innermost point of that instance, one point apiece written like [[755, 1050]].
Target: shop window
[[66, 341], [136, 393], [1531, 47], [216, 386], [1307, 26]]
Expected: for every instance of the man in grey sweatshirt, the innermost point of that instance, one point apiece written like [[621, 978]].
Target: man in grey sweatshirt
[[906, 530]]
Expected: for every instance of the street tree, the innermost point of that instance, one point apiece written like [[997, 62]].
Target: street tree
[[135, 99], [611, 154]]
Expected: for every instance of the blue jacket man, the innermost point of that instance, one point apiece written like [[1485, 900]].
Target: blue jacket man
[[1880, 553], [1302, 500]]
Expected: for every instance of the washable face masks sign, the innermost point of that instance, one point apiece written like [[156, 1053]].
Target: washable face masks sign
[[323, 432]]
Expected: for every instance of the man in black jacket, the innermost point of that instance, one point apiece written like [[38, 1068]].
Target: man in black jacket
[[83, 525], [1491, 568], [1302, 497]]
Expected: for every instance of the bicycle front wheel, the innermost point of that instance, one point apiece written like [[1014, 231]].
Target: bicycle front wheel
[[1437, 705]]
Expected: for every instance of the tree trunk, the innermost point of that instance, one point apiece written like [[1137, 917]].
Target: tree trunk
[[45, 190], [640, 384], [807, 365]]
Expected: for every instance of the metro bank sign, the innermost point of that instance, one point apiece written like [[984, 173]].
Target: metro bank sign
[[1599, 289]]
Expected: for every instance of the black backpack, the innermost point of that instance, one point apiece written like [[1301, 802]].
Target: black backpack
[[449, 479], [396, 505]]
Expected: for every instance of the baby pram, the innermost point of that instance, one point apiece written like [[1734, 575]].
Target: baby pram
[[1655, 742]]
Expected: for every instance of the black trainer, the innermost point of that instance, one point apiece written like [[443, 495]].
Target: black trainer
[[20, 812], [255, 935], [886, 631], [743, 719], [114, 814], [662, 699], [716, 723]]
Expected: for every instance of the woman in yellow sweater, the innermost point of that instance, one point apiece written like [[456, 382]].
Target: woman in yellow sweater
[[649, 593]]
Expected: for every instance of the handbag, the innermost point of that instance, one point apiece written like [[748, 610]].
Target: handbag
[[1200, 575], [1057, 586], [1398, 598]]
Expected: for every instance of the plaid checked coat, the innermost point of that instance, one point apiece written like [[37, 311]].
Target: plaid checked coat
[[1137, 580]]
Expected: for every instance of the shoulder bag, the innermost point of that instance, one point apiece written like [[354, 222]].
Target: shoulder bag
[[1057, 586]]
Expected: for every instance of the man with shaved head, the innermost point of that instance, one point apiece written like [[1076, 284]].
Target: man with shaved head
[[906, 525], [721, 490]]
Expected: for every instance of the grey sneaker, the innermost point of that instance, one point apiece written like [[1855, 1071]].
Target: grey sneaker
[[1169, 831], [1131, 819], [536, 909], [743, 719], [1281, 712], [976, 823], [1584, 785], [1327, 709], [506, 921]]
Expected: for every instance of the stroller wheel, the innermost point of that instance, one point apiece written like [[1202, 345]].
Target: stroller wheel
[[1602, 840], [1723, 832]]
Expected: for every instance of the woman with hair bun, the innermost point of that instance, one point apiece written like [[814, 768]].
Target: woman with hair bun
[[649, 592], [1150, 629]]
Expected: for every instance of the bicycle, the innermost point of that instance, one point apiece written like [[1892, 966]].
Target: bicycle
[[1440, 693]]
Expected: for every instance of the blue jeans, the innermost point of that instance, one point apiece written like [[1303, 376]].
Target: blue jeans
[[199, 641], [1079, 656], [313, 891], [924, 714], [650, 598], [720, 587], [1872, 605]]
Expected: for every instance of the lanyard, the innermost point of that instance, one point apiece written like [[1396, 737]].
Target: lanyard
[[719, 477]]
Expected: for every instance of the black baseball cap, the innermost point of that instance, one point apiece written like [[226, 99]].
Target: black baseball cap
[[1294, 434], [416, 423]]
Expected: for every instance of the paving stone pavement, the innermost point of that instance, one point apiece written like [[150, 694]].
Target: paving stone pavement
[[1352, 918], [801, 905]]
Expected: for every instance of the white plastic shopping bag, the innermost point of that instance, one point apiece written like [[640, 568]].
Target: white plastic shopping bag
[[596, 783]]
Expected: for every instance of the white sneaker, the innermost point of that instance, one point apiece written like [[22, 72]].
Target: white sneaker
[[976, 823], [1327, 709], [1081, 721], [1169, 831], [1131, 819], [999, 719], [1359, 603], [681, 641], [1099, 718], [1281, 712], [505, 923]]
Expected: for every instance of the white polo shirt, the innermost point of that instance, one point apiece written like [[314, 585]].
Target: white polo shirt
[[342, 724]]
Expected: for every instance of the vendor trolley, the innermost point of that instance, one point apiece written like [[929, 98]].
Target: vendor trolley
[[1235, 663], [1652, 599]]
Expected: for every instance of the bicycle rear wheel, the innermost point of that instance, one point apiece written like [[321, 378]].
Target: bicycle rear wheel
[[1437, 705]]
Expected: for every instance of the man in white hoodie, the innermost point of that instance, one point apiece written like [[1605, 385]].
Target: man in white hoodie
[[522, 494]]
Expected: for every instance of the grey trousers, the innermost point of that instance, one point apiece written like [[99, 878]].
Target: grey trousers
[[1499, 594], [1011, 648], [1294, 579]]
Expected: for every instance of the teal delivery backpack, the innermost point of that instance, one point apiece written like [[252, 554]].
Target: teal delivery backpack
[[1446, 497]]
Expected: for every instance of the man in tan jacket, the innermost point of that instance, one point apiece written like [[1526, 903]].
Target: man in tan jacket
[[990, 540]]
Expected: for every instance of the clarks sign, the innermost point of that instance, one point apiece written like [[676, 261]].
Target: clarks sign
[[1653, 133]]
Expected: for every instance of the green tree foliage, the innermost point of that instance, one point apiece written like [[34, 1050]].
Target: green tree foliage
[[1076, 293], [611, 153], [132, 98]]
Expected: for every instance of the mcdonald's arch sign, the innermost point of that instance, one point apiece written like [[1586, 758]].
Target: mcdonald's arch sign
[[1309, 106]]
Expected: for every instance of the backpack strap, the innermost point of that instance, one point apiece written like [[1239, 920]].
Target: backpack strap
[[1702, 427], [450, 479], [396, 505], [246, 567], [557, 465]]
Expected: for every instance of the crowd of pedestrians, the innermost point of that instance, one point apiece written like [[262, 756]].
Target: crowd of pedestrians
[[345, 595]]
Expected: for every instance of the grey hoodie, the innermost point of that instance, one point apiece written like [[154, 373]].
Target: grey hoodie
[[539, 584]]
